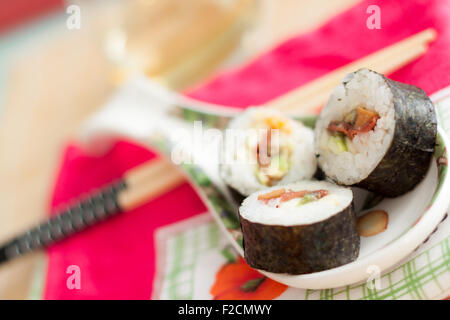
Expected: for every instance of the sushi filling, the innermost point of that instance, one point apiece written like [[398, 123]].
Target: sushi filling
[[282, 197], [357, 121], [270, 149], [273, 158], [301, 203]]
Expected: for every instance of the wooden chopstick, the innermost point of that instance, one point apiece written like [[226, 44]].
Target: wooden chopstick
[[313, 95], [312, 104], [147, 182]]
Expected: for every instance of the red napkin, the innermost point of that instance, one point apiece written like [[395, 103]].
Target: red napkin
[[14, 12], [117, 258], [342, 40]]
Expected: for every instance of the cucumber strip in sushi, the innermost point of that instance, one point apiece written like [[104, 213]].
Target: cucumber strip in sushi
[[376, 133], [264, 148], [304, 227]]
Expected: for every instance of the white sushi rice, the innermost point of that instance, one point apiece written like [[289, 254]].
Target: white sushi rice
[[362, 88], [303, 163], [292, 214]]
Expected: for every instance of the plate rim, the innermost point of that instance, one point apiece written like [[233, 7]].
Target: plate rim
[[384, 258]]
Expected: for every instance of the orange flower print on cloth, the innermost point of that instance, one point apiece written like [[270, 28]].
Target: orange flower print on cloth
[[237, 281]]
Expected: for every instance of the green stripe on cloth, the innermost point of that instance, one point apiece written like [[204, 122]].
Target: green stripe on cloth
[[176, 269], [412, 279], [185, 249]]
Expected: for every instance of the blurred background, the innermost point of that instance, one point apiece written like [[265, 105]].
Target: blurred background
[[55, 71]]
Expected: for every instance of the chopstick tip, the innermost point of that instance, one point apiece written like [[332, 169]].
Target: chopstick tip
[[431, 34]]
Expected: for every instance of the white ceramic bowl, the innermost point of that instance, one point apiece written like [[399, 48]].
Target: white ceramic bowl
[[135, 112]]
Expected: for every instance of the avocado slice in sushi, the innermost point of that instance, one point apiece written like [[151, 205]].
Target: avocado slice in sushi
[[389, 128], [299, 228]]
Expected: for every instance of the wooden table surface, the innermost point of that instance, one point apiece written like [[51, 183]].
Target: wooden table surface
[[50, 89]]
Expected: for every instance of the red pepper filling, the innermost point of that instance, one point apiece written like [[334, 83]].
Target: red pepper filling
[[364, 121], [289, 195]]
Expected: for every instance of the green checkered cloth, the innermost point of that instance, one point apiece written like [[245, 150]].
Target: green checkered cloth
[[190, 253]]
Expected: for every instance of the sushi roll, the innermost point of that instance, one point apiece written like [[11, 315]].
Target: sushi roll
[[264, 148], [376, 133], [304, 227]]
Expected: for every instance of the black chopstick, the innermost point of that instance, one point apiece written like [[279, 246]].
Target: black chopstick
[[78, 216]]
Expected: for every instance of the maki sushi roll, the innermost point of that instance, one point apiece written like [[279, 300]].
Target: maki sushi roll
[[304, 227], [376, 133], [264, 148]]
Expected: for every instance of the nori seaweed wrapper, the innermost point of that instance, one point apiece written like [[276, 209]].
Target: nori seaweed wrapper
[[303, 248], [408, 158], [319, 175]]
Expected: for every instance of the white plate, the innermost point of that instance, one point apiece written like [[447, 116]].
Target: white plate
[[412, 217]]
